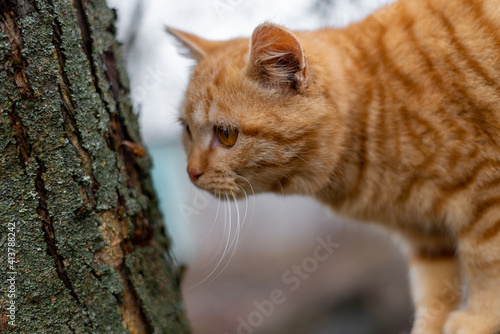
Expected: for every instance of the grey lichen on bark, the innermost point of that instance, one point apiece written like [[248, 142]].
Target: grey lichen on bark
[[92, 255]]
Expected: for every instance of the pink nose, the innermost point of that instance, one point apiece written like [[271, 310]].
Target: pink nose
[[194, 174]]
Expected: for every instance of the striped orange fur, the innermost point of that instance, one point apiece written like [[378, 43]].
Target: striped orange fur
[[395, 119]]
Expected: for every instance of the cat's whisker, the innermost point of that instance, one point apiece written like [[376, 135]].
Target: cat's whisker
[[215, 219], [210, 231], [236, 238], [298, 156], [219, 249], [253, 196], [244, 178], [221, 245], [281, 186], [234, 242], [229, 244], [246, 205], [246, 213], [227, 231]]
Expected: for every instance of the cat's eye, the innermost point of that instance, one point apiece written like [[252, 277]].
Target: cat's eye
[[226, 135], [187, 129]]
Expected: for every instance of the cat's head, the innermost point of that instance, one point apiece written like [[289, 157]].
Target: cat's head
[[259, 113]]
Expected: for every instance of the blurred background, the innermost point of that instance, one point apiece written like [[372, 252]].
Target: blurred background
[[269, 278]]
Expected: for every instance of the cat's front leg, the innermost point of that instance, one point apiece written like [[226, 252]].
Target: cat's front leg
[[436, 289], [479, 248]]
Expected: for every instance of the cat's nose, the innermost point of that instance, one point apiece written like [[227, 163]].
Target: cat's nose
[[194, 174]]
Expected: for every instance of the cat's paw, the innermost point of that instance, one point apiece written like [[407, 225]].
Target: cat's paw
[[462, 322]]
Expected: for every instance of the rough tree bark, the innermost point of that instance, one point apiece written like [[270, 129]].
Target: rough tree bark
[[76, 199]]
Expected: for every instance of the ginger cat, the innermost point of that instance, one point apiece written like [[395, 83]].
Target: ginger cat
[[395, 119]]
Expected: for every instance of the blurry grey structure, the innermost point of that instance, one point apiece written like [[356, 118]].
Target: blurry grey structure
[[361, 288]]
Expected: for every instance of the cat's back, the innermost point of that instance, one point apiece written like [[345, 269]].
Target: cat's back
[[456, 42], [453, 48], [426, 80], [434, 54]]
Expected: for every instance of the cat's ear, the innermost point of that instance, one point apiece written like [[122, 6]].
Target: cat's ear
[[196, 47], [277, 58]]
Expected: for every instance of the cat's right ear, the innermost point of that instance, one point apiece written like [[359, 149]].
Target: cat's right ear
[[196, 47], [277, 58]]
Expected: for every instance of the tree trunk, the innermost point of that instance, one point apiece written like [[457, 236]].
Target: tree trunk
[[82, 243]]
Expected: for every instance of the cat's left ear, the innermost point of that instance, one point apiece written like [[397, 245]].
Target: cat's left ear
[[277, 58], [196, 47]]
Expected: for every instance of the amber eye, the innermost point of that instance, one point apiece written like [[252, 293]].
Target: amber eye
[[227, 136]]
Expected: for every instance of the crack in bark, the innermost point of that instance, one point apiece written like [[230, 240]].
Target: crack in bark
[[48, 230], [68, 109], [118, 136], [34, 5], [115, 229], [131, 306], [127, 149], [21, 135], [84, 27], [116, 133], [15, 56], [18, 63], [109, 60], [118, 139], [143, 232], [95, 274]]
